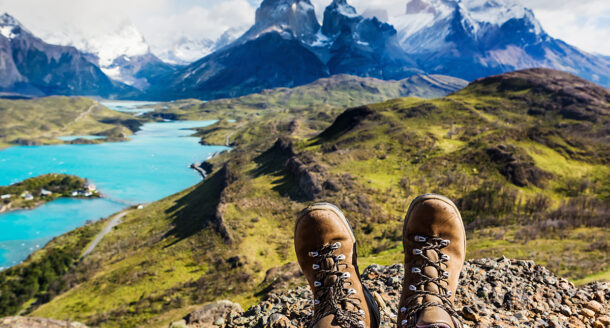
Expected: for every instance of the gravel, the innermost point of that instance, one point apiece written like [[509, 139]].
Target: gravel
[[493, 293]]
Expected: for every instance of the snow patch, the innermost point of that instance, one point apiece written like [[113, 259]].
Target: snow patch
[[7, 32], [347, 10], [321, 40]]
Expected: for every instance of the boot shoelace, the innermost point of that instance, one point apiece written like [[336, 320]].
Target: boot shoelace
[[333, 298], [410, 308]]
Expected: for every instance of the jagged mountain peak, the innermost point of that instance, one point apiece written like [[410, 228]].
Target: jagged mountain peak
[[7, 20], [474, 15], [342, 7], [10, 27], [337, 16], [291, 18]]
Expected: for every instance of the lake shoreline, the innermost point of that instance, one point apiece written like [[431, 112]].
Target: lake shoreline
[[151, 165], [32, 193]]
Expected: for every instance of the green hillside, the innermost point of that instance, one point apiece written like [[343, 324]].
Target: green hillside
[[525, 155], [337, 91], [42, 120]]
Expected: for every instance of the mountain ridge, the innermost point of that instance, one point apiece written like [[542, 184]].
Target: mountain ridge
[[34, 67], [466, 39]]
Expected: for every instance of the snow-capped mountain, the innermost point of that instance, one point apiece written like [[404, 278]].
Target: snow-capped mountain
[[186, 49], [123, 54], [31, 66], [476, 38], [352, 44], [290, 18], [469, 39], [288, 47]]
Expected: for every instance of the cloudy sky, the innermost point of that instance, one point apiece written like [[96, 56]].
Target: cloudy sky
[[584, 23]]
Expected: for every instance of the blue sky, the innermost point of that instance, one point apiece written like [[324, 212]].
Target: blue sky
[[583, 23]]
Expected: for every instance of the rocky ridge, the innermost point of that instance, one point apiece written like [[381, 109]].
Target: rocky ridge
[[492, 293]]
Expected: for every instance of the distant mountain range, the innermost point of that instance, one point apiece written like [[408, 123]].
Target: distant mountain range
[[477, 38], [287, 46], [468, 39]]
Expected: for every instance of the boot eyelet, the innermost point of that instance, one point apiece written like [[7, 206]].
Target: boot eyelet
[[417, 251], [346, 275], [340, 257], [361, 312], [313, 254], [420, 239], [336, 245], [446, 274], [445, 242], [351, 291], [317, 284], [403, 309], [315, 266], [449, 293], [404, 322], [316, 302], [412, 288], [361, 323], [415, 270], [445, 257]]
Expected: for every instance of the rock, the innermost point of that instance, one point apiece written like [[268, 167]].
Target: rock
[[587, 313], [277, 320], [28, 322], [211, 315], [469, 314], [178, 324], [495, 294], [605, 320], [595, 306]]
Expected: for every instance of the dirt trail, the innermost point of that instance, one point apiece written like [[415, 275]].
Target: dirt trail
[[116, 220]]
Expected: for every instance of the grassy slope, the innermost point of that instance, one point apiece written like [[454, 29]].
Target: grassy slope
[[184, 250], [41, 120], [337, 91]]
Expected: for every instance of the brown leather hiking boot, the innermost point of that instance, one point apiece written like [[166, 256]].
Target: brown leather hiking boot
[[434, 242], [325, 248]]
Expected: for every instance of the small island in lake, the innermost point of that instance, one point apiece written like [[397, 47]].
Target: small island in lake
[[36, 191]]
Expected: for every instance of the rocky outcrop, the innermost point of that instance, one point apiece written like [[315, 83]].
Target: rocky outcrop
[[517, 168], [209, 316], [309, 176], [492, 293], [27, 322], [294, 17], [569, 95], [346, 122]]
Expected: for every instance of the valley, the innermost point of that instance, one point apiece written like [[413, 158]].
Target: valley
[[153, 159], [524, 158]]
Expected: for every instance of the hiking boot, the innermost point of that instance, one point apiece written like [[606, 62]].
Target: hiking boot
[[434, 243], [326, 250]]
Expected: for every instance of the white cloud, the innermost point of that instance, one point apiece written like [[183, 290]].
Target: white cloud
[[584, 23], [160, 21]]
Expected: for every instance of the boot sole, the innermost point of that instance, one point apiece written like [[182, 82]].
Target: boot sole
[[368, 296], [442, 198]]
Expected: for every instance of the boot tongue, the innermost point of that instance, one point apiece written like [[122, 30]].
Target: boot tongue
[[433, 317]]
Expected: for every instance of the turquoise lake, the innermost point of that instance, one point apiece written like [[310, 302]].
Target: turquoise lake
[[152, 165]]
